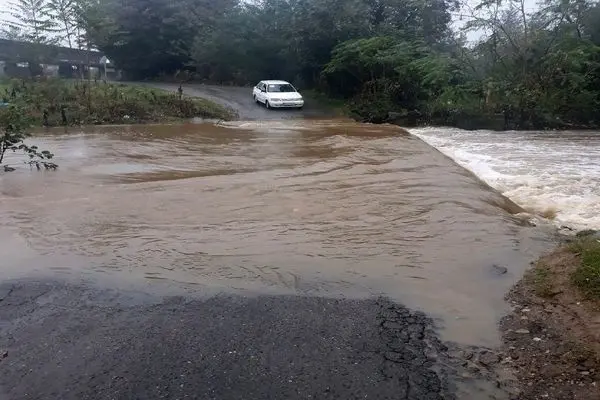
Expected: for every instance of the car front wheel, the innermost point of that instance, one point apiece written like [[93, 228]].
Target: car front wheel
[[267, 104]]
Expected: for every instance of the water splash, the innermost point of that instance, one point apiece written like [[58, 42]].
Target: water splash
[[554, 175]]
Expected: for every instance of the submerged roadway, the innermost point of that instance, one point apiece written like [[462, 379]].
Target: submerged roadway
[[79, 341]]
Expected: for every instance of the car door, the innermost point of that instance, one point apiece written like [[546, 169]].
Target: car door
[[255, 90], [262, 92]]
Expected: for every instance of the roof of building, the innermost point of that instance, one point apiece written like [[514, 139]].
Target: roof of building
[[24, 51]]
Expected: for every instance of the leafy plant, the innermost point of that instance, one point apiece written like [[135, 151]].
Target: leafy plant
[[13, 123], [33, 18]]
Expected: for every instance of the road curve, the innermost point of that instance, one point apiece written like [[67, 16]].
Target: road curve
[[240, 99]]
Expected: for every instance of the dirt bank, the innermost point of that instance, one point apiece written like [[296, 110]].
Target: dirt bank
[[552, 339]]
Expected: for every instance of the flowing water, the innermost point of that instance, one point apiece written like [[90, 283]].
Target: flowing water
[[551, 174], [328, 208]]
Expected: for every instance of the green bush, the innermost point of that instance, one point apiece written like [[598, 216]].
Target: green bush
[[51, 101]]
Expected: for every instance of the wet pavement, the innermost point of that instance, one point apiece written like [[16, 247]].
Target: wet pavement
[[66, 342]]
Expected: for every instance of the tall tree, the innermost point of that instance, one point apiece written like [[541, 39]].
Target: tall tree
[[64, 11], [147, 37], [33, 18], [427, 19], [11, 32]]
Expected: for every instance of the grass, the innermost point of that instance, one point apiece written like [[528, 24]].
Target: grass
[[4, 87], [587, 275], [581, 270], [542, 281], [96, 102]]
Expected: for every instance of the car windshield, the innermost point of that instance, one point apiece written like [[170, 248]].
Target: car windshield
[[281, 88]]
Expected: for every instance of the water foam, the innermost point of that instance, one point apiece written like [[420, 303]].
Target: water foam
[[551, 174]]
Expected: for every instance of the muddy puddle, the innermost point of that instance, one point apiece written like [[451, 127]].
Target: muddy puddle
[[328, 208]]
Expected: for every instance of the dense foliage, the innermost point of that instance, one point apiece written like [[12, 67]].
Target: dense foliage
[[396, 59]]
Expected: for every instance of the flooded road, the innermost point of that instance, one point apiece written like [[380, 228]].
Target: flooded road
[[330, 208]]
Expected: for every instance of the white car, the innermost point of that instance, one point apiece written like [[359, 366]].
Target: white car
[[277, 94]]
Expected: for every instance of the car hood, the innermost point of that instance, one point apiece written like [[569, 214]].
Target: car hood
[[287, 96]]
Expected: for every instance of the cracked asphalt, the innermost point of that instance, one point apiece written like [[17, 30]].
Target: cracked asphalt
[[60, 341]]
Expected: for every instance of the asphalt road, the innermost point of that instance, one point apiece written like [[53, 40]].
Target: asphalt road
[[240, 99], [73, 342]]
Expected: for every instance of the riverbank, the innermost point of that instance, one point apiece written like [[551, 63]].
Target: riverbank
[[552, 337], [56, 102]]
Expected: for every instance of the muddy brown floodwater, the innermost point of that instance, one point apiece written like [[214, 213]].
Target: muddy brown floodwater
[[331, 208]]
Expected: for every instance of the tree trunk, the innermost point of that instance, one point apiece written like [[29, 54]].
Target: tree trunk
[[89, 77]]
